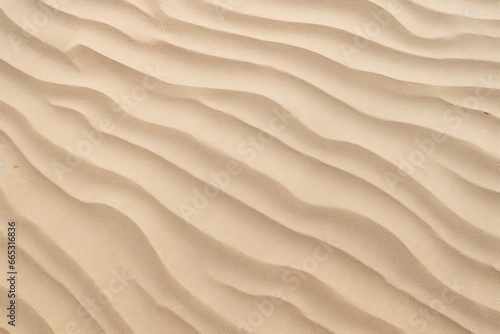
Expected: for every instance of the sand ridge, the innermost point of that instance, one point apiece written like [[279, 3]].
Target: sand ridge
[[235, 166]]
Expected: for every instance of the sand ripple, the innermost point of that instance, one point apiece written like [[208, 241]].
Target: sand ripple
[[234, 166]]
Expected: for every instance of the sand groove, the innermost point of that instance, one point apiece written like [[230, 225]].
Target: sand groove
[[354, 146]]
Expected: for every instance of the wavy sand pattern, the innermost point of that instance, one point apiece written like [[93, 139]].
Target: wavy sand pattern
[[264, 166]]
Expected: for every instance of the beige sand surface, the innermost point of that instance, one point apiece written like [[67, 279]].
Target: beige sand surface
[[251, 166]]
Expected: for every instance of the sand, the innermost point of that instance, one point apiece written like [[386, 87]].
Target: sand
[[236, 166]]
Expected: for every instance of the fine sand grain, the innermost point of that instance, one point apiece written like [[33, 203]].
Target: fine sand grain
[[251, 166]]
